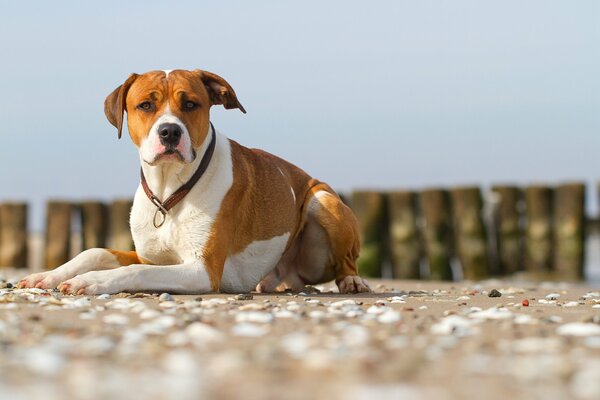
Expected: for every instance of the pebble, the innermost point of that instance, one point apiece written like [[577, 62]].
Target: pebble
[[342, 303], [492, 313], [284, 314], [149, 314], [244, 296], [553, 296], [592, 342], [455, 325], [376, 310], [523, 319], [165, 297], [252, 307], [317, 314], [115, 319], [389, 317], [571, 304], [202, 333], [254, 316], [249, 330], [578, 329], [105, 296], [494, 293]]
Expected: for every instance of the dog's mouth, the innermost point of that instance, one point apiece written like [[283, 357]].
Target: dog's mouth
[[169, 155]]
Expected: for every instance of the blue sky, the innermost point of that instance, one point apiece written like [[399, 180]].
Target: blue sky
[[386, 94]]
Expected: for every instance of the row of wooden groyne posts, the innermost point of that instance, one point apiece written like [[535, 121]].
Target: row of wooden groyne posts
[[442, 234]]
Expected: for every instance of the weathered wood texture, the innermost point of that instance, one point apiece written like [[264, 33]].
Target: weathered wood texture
[[370, 210], [569, 231], [13, 235], [120, 234], [509, 228], [539, 231], [469, 232], [437, 232], [94, 224], [58, 233], [405, 243]]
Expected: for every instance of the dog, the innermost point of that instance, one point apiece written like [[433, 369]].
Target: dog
[[211, 215]]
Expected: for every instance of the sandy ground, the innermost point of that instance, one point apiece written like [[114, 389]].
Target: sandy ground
[[413, 340]]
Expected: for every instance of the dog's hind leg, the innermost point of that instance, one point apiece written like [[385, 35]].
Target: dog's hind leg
[[330, 242], [88, 260]]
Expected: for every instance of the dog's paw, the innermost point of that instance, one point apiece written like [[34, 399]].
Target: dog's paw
[[354, 284], [94, 282], [41, 280]]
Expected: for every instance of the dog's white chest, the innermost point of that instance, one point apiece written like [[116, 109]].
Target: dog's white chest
[[187, 228], [181, 238]]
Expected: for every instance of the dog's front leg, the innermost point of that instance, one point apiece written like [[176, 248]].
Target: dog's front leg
[[191, 277], [87, 260]]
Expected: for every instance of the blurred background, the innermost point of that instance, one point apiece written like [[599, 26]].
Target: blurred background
[[381, 96]]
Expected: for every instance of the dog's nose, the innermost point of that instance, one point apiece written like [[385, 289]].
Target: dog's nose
[[169, 134]]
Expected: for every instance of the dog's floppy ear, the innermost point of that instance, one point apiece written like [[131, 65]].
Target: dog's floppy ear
[[219, 90], [114, 105]]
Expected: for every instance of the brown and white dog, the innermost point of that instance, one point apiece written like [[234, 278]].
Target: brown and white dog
[[252, 220]]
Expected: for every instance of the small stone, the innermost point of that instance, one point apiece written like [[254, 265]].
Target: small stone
[[376, 310], [525, 303], [317, 314], [571, 304], [244, 296], [310, 290], [252, 307], [552, 296], [104, 296], [165, 297], [149, 314], [455, 325], [254, 316], [523, 319], [389, 317], [492, 313], [249, 330], [202, 333], [579, 329], [494, 293], [115, 319]]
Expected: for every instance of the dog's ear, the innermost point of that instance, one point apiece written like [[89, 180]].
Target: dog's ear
[[220, 91], [114, 105]]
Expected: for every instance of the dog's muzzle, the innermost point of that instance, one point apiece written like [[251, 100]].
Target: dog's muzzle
[[169, 135]]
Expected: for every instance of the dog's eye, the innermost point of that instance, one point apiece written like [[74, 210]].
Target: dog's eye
[[145, 106], [189, 105]]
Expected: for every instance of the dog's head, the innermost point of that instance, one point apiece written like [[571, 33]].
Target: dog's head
[[168, 112]]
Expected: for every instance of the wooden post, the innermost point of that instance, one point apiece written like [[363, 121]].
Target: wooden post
[[13, 235], [508, 228], [539, 231], [369, 208], [437, 232], [569, 239], [58, 233], [120, 233], [94, 224], [404, 235], [471, 241]]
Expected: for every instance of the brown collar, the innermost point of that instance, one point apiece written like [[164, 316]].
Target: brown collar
[[164, 206]]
